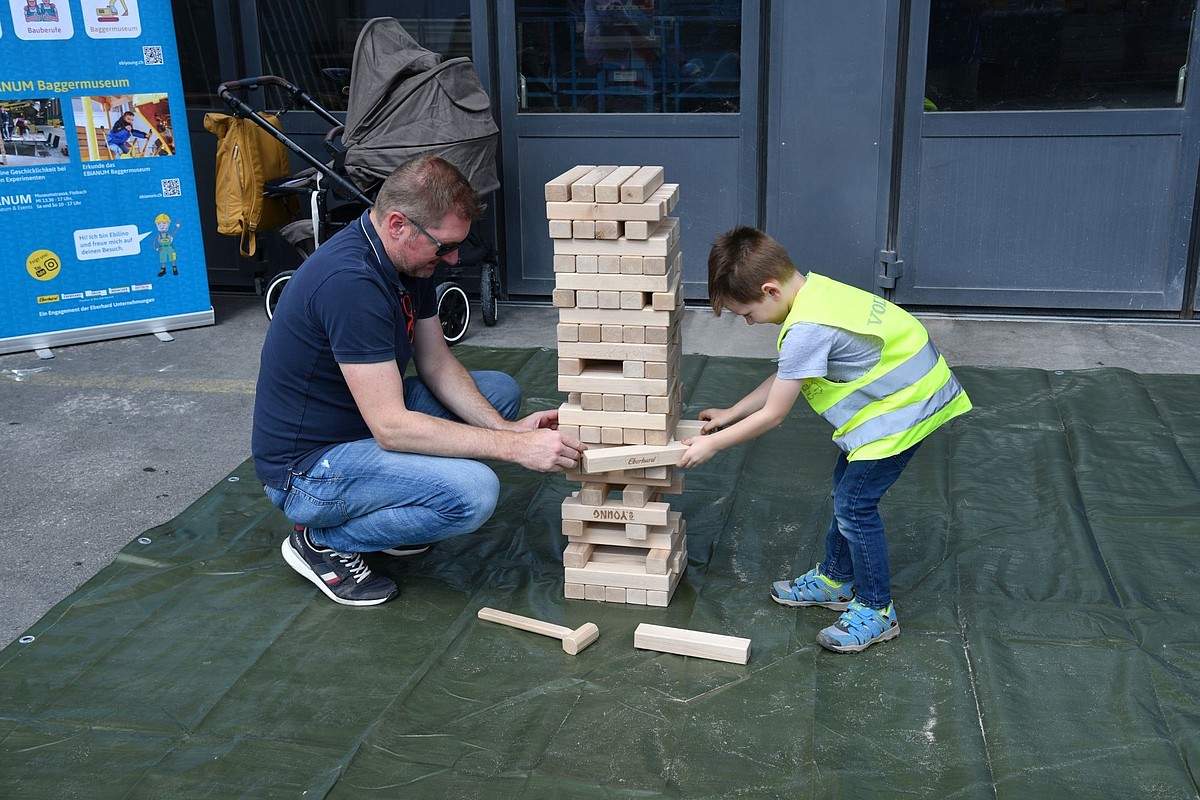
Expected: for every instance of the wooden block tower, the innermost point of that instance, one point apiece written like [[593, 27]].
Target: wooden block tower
[[617, 266]]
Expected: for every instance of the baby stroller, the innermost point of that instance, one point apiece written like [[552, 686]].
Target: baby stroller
[[404, 100]]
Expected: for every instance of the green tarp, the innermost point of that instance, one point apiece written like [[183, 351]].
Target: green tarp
[[1045, 565]]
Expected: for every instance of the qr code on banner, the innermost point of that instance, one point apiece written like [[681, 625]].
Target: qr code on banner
[[171, 188], [152, 54]]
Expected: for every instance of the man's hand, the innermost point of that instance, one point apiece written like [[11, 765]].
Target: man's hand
[[547, 450], [538, 419]]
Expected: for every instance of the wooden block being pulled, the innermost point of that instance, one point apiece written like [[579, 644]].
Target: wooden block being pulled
[[699, 644], [632, 457]]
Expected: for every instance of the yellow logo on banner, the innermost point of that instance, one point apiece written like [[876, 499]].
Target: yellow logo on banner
[[48, 298], [43, 264]]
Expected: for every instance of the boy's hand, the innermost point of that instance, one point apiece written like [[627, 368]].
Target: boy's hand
[[700, 449], [715, 419]]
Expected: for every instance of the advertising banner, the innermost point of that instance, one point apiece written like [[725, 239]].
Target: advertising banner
[[97, 195]]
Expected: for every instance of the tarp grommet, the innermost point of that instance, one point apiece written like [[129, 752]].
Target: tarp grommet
[[27, 639], [233, 479], [144, 540]]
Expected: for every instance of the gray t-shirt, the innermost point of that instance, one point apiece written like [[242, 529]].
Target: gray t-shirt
[[811, 350]]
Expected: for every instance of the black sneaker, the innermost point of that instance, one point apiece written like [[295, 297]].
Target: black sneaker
[[407, 550], [344, 577]]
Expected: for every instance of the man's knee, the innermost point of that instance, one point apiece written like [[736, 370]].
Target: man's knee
[[501, 390]]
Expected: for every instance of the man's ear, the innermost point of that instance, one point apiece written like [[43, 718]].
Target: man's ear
[[395, 222]]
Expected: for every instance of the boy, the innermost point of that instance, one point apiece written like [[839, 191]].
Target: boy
[[870, 369]]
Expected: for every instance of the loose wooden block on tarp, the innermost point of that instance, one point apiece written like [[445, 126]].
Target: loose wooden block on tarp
[[699, 644]]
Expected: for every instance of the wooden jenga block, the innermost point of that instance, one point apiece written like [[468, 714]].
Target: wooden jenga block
[[651, 514], [572, 414], [608, 377], [687, 428], [633, 457], [589, 434], [565, 332], [656, 537], [577, 554], [564, 263], [608, 188], [633, 436], [659, 405], [616, 351], [570, 366], [634, 369], [583, 229], [658, 599], [608, 264], [617, 281], [665, 301], [631, 265], [637, 495], [623, 569], [610, 333], [589, 333], [641, 184], [560, 229], [563, 298], [575, 591], [635, 597], [606, 229], [583, 189], [572, 527], [698, 644], [586, 264], [656, 561], [653, 209], [633, 334], [608, 299], [613, 402], [637, 532], [614, 594], [661, 242], [559, 189], [593, 592], [635, 402], [588, 298], [610, 435], [569, 430], [636, 229], [573, 398], [655, 335], [631, 300], [643, 316], [593, 493], [589, 401]]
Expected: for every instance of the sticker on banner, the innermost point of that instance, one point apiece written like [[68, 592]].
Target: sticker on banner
[[114, 242]]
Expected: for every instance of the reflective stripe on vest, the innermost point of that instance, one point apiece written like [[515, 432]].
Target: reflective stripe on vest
[[914, 369], [901, 419]]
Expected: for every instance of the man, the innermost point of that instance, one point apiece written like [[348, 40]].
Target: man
[[359, 457]]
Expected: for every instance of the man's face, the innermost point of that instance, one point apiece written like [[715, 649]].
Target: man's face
[[413, 253]]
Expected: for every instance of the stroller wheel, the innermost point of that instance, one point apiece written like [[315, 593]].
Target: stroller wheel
[[453, 310], [275, 291], [489, 292]]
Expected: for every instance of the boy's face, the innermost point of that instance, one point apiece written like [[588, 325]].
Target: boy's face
[[770, 307]]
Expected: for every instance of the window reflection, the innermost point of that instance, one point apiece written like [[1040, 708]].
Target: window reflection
[[311, 42], [994, 55], [629, 56]]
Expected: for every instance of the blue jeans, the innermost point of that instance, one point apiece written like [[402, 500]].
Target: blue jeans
[[360, 498], [855, 546]]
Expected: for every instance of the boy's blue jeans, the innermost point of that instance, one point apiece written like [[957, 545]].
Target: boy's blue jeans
[[855, 546], [360, 498]]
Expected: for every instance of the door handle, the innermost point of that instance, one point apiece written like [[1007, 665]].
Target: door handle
[[522, 92], [1179, 84]]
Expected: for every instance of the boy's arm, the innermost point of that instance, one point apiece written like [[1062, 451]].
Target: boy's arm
[[781, 395], [717, 418]]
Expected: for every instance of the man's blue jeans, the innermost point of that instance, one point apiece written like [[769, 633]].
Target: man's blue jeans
[[855, 546], [360, 498]]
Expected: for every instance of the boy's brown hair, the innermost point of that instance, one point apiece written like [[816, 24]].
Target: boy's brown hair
[[740, 262]]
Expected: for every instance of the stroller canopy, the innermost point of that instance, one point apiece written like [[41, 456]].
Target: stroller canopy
[[405, 101]]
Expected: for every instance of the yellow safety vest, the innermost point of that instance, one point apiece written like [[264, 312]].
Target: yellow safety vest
[[908, 395]]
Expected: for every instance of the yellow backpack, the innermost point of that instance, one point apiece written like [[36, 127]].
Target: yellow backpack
[[248, 157]]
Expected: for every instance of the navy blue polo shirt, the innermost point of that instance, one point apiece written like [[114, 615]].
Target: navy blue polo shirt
[[344, 305]]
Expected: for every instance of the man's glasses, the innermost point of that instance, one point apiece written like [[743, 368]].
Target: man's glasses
[[410, 319], [442, 249]]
